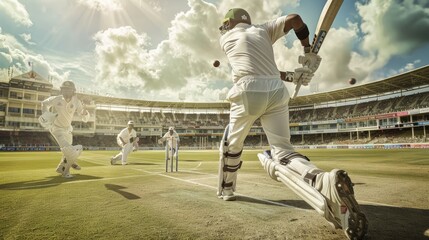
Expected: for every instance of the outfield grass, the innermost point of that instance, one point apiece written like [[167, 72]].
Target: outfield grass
[[141, 201]]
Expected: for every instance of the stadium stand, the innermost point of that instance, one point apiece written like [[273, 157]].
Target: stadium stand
[[389, 111]]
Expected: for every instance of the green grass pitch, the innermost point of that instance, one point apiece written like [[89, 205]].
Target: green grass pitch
[[142, 201]]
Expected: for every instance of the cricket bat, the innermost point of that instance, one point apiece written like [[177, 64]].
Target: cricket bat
[[326, 19]]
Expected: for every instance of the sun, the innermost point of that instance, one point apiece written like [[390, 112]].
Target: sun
[[102, 5], [115, 13]]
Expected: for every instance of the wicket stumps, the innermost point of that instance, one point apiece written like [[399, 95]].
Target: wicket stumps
[[173, 152]]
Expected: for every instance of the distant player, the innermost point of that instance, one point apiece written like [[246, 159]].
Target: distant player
[[259, 93], [172, 139], [127, 139], [57, 115]]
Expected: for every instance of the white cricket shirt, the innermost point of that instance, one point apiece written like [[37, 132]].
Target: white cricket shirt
[[64, 109], [126, 135], [249, 48]]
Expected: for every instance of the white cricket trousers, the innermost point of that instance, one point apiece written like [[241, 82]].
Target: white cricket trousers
[[64, 138], [267, 98], [123, 154]]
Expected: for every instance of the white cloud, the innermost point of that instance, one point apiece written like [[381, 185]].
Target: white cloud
[[103, 6], [408, 67], [27, 38], [16, 11], [388, 29], [13, 54], [127, 65], [393, 27], [182, 63]]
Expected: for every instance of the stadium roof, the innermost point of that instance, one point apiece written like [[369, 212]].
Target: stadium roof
[[154, 104], [414, 79], [30, 79], [417, 78]]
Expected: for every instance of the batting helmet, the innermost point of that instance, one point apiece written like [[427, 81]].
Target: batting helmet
[[68, 89], [233, 17], [68, 84]]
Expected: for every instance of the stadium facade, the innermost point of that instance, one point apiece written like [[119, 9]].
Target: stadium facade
[[390, 111]]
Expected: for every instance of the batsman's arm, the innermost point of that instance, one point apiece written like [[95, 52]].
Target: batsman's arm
[[295, 22]]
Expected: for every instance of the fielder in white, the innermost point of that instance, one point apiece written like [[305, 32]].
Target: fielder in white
[[57, 115], [172, 139], [258, 92], [127, 139]]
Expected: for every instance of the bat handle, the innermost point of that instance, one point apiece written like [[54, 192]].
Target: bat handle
[[297, 87], [295, 92]]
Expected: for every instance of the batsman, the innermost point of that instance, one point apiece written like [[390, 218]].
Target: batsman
[[57, 115], [259, 93]]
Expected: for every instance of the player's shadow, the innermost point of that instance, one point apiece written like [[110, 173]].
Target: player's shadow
[[44, 183], [293, 203], [385, 222], [389, 222], [119, 189]]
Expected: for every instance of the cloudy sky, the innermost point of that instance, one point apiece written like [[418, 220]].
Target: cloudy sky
[[164, 49]]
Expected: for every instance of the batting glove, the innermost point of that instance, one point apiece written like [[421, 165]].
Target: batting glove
[[310, 60], [302, 75]]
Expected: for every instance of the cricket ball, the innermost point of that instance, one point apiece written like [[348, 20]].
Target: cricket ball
[[216, 63], [352, 81]]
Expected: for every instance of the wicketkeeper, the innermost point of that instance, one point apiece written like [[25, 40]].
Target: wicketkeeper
[[172, 139], [258, 92], [129, 142], [57, 115]]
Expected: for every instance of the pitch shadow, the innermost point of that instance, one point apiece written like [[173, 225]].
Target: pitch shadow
[[293, 203], [387, 222], [44, 183], [118, 189]]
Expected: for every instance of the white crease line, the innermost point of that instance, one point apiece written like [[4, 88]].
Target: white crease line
[[379, 204], [280, 204], [189, 181], [197, 166], [208, 186]]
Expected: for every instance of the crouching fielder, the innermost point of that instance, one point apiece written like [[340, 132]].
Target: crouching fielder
[[57, 115], [172, 139], [258, 92], [127, 139]]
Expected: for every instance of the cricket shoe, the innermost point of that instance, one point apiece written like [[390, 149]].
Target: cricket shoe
[[228, 195], [68, 175], [76, 167], [60, 169], [342, 211], [112, 161]]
